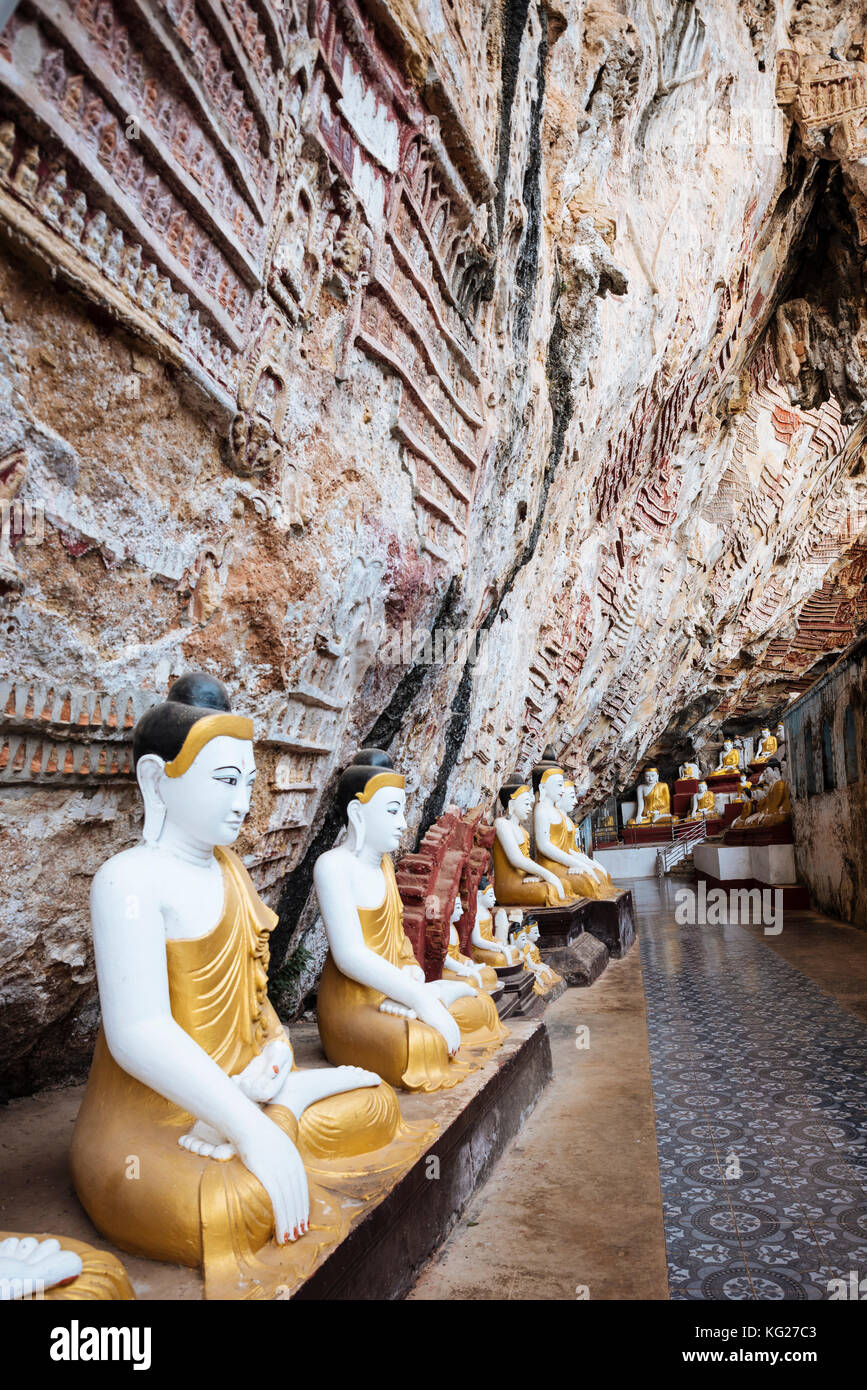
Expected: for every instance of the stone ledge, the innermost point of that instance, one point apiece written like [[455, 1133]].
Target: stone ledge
[[581, 963], [383, 1254], [612, 921]]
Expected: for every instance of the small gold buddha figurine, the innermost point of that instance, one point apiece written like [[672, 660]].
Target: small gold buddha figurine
[[58, 1268], [654, 801], [525, 936], [729, 763], [774, 808], [767, 747], [703, 803], [488, 948], [744, 791], [555, 838], [457, 966], [198, 1140], [519, 880], [689, 772], [374, 1006]]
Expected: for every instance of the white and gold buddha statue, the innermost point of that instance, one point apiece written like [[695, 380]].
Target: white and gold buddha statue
[[654, 801], [767, 747], [525, 936], [555, 838], [489, 948], [703, 803], [193, 1080], [519, 880], [374, 1006], [774, 808], [729, 763], [457, 966], [689, 772]]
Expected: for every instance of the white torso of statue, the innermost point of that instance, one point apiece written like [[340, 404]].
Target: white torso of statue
[[508, 830]]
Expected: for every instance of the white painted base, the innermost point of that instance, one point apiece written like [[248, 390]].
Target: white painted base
[[765, 863], [635, 861]]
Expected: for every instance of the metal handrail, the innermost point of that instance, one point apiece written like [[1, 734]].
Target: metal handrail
[[684, 836]]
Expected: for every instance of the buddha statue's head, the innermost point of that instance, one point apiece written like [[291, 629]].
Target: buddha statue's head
[[568, 797], [457, 910], [727, 746], [702, 786], [372, 798], [771, 773], [548, 781], [766, 733], [194, 763], [516, 798], [485, 893], [531, 926], [651, 777]]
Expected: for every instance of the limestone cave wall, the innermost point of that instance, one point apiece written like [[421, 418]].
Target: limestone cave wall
[[534, 329]]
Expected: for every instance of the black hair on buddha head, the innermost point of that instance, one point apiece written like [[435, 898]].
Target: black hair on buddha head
[[373, 757], [509, 786], [484, 882], [367, 764], [539, 772], [163, 728], [774, 762]]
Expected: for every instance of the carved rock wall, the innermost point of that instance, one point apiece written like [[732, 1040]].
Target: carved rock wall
[[536, 328]]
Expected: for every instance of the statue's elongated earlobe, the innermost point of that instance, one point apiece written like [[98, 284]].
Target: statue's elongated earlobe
[[148, 773], [355, 818]]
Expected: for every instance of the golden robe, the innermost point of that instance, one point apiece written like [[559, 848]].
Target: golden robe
[[511, 886], [657, 799], [404, 1051], [102, 1278], [562, 837], [706, 802], [774, 809], [151, 1197], [482, 955]]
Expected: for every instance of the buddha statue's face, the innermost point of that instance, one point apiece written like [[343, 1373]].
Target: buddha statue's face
[[727, 746], [458, 910], [766, 733], [382, 819], [533, 932], [567, 798], [551, 789], [702, 786], [770, 776], [652, 777], [487, 897], [211, 799], [521, 806]]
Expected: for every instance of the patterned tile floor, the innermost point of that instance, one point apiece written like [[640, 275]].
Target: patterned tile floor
[[760, 1092]]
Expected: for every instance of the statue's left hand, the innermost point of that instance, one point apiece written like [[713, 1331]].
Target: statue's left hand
[[262, 1078]]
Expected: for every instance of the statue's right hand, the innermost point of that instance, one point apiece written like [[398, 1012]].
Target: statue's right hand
[[432, 1011], [271, 1156]]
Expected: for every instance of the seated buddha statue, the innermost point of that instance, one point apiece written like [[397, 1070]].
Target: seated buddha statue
[[488, 948], [193, 1077], [689, 772], [729, 763], [525, 936], [654, 801], [457, 966], [566, 803], [744, 791], [45, 1267], [703, 803], [774, 808], [767, 747], [555, 837], [518, 879], [374, 1006]]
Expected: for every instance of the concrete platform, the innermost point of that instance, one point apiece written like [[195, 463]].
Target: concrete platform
[[579, 964], [628, 861], [612, 921], [769, 864]]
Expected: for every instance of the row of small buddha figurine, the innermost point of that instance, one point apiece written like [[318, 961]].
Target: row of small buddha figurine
[[243, 1160]]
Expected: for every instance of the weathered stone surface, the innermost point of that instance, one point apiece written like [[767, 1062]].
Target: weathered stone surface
[[581, 963], [325, 324]]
